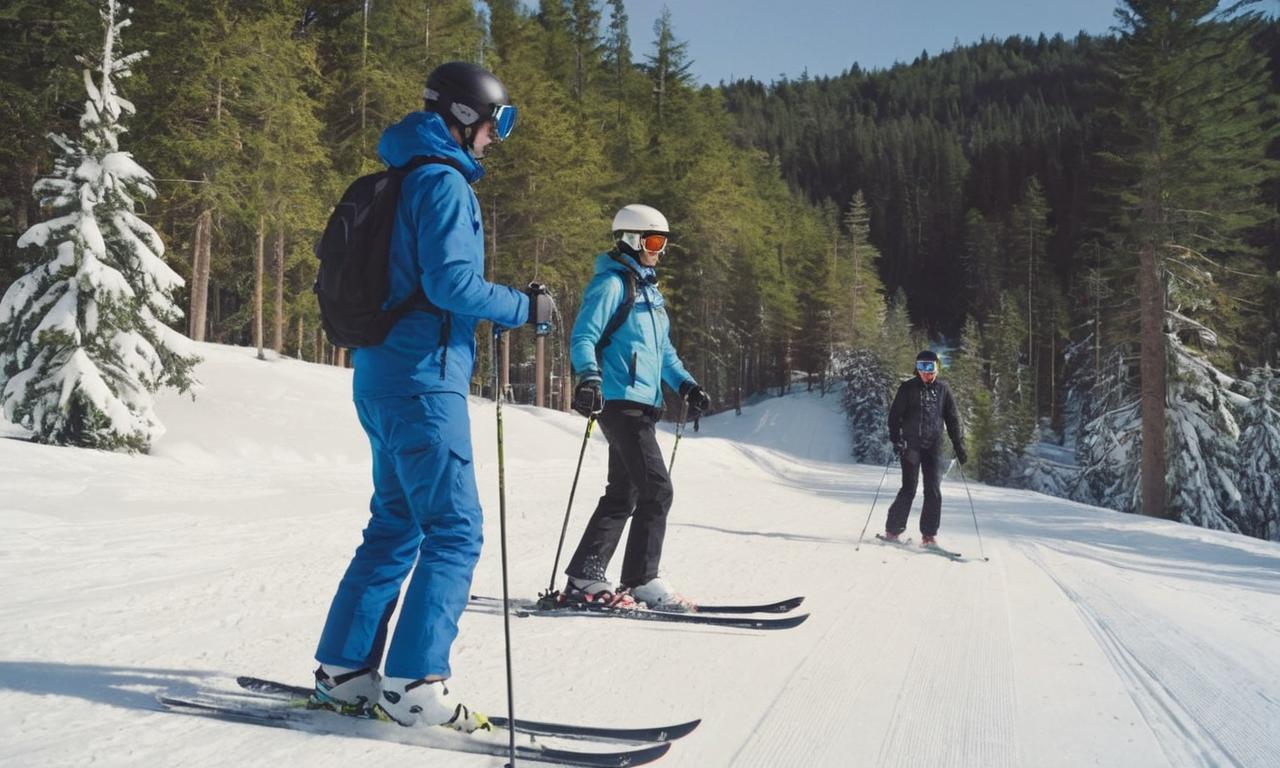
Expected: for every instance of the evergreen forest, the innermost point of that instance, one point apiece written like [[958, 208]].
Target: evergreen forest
[[1087, 229]]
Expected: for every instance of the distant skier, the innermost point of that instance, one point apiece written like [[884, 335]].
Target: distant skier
[[620, 381], [410, 394], [921, 407]]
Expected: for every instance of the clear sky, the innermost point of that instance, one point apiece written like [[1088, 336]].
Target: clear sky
[[767, 38]]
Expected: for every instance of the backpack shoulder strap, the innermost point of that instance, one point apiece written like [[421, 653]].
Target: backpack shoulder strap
[[620, 314], [421, 160]]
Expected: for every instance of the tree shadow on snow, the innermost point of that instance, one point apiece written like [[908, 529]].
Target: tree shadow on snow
[[125, 687]]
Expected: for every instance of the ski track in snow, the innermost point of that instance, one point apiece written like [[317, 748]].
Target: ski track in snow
[[1206, 708]]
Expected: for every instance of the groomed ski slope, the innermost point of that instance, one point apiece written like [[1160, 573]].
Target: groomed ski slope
[[1090, 638]]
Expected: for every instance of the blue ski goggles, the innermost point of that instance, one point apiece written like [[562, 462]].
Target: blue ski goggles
[[926, 366], [504, 120]]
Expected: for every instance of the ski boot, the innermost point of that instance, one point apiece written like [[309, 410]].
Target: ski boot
[[413, 703], [344, 690], [657, 595]]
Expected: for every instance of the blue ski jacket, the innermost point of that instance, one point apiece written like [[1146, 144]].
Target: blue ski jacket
[[438, 244], [639, 356]]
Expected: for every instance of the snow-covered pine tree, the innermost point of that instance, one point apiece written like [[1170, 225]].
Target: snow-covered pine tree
[[1202, 466], [1259, 454], [1109, 451], [866, 402], [83, 340]]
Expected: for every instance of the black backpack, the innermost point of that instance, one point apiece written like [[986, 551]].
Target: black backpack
[[354, 252]]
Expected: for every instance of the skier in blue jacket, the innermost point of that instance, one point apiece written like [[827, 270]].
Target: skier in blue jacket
[[411, 398], [620, 382]]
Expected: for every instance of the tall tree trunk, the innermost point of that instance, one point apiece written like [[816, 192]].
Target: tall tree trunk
[[277, 335], [1152, 373], [300, 329], [200, 275], [28, 171], [259, 276], [340, 357]]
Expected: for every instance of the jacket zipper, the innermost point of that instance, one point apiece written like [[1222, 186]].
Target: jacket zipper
[[653, 320]]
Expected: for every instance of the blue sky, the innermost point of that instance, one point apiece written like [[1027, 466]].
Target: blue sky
[[767, 38]]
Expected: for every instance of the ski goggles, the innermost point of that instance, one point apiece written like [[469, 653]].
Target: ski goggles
[[655, 242], [504, 120], [926, 366]]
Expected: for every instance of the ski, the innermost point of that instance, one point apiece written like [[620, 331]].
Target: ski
[[782, 606], [932, 549], [937, 550], [644, 614], [298, 694], [325, 722]]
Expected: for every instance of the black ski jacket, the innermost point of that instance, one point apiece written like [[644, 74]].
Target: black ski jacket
[[918, 412]]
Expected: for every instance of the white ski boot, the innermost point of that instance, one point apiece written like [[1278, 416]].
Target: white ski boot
[[345, 690], [418, 702], [657, 595]]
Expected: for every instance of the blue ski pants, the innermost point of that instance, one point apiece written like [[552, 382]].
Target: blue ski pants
[[425, 517]]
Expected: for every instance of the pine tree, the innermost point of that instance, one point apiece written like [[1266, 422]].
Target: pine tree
[[1259, 480], [83, 344], [1203, 462], [868, 393], [1190, 161], [1110, 447]]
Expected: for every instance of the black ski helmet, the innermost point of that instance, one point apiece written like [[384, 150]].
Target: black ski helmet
[[927, 354], [466, 95]]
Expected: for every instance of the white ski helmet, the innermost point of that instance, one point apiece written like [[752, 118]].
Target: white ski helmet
[[634, 222], [640, 218]]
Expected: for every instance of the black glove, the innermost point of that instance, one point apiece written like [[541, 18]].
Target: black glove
[[587, 398], [541, 308], [962, 455], [899, 447], [696, 398]]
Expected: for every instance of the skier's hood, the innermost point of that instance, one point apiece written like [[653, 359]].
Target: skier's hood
[[616, 261], [425, 134]]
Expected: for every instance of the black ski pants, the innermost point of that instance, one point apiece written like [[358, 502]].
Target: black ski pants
[[638, 488], [913, 460]]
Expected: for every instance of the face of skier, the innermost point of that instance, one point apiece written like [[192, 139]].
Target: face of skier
[[927, 370]]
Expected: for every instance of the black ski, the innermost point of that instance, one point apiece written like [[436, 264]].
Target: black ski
[[937, 550], [932, 549], [644, 614], [298, 694], [325, 722], [782, 606]]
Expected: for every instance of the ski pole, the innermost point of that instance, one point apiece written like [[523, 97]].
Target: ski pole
[[551, 584], [502, 527], [874, 499], [684, 413], [973, 511]]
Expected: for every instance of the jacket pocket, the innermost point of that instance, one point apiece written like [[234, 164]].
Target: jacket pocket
[[632, 369]]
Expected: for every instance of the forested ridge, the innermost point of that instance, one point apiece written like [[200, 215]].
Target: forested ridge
[[1088, 225]]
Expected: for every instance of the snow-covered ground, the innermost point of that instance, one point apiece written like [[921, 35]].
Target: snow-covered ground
[[1090, 638]]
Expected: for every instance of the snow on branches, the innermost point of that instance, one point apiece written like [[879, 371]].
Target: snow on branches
[[1259, 454], [83, 339]]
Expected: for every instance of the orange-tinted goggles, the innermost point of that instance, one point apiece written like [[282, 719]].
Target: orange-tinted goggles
[[654, 242]]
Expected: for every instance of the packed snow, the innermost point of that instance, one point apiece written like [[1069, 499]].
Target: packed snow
[[1090, 637]]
